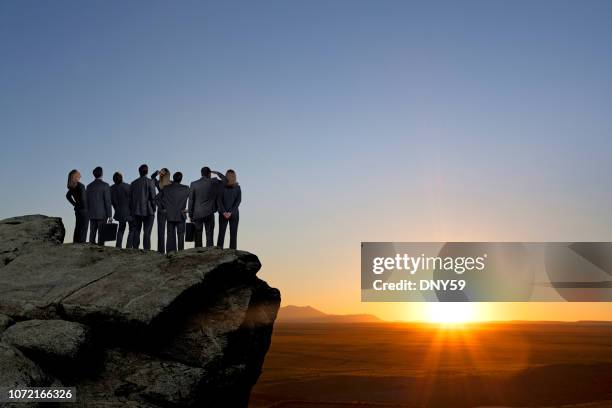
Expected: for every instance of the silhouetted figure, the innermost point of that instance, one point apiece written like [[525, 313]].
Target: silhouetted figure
[[142, 208], [227, 204], [173, 199], [98, 206], [164, 180], [203, 204], [120, 199], [77, 196]]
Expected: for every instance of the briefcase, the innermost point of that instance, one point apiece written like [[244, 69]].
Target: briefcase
[[109, 232], [189, 232]]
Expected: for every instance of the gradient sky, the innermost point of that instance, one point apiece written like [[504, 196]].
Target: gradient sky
[[346, 121]]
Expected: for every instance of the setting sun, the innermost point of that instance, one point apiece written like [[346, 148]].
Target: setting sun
[[450, 312]]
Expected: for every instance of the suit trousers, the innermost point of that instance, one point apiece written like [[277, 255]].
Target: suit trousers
[[131, 233], [95, 227], [80, 226], [161, 231], [144, 223], [233, 223], [208, 223], [120, 232], [176, 229]]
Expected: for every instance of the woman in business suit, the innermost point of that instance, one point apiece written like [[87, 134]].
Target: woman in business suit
[[227, 204], [78, 198], [164, 180]]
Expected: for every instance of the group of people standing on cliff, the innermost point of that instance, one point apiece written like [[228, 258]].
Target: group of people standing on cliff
[[136, 204]]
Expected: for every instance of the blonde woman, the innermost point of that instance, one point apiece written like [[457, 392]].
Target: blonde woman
[[227, 205], [164, 180], [77, 196]]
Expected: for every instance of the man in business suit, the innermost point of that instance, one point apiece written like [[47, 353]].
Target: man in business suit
[[173, 199], [203, 195], [142, 208], [120, 199], [98, 206]]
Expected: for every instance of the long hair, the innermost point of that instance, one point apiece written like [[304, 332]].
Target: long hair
[[164, 178], [71, 180], [231, 178]]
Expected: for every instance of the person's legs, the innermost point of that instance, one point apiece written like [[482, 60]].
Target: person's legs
[[100, 225], [93, 228], [80, 227], [171, 238], [130, 235], [199, 223], [137, 228], [209, 226], [222, 228], [233, 222], [180, 229], [120, 232], [148, 227], [161, 231], [77, 228]]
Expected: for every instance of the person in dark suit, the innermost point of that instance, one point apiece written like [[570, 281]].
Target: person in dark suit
[[203, 204], [227, 205], [173, 199], [164, 180], [77, 196], [142, 208], [98, 206], [120, 199]]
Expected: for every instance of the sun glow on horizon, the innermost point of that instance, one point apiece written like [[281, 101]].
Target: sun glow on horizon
[[451, 313]]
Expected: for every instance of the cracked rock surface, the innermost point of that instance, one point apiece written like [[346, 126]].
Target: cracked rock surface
[[129, 327]]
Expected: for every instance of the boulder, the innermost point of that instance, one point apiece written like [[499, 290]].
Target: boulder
[[18, 233], [187, 329], [144, 379], [16, 370], [5, 322], [59, 345]]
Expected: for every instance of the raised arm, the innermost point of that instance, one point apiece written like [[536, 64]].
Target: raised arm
[[154, 178], [220, 175], [152, 194]]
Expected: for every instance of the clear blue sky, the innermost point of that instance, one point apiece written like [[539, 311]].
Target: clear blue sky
[[345, 120]]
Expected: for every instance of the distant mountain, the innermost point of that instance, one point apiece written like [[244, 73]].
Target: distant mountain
[[308, 314]]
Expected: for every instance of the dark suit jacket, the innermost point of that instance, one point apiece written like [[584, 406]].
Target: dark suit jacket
[[142, 197], [98, 200], [203, 195], [173, 199], [120, 198], [229, 199], [77, 196]]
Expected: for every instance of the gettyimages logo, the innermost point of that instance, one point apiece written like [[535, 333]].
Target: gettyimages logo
[[413, 264], [486, 271]]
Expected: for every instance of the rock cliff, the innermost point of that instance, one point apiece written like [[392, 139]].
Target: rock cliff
[[128, 327]]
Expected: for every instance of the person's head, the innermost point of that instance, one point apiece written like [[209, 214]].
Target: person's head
[[205, 171], [117, 178], [97, 172], [164, 177], [231, 178], [143, 170], [177, 177], [73, 178]]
